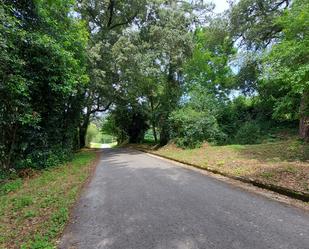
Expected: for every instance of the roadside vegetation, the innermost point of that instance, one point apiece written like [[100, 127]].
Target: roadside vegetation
[[175, 69], [35, 209], [239, 79], [79, 73], [281, 163]]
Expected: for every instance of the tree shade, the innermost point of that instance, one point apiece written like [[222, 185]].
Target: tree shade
[[167, 66]]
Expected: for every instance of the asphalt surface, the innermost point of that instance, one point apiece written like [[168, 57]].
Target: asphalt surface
[[136, 201]]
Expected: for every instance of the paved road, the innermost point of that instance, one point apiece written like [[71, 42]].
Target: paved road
[[136, 201]]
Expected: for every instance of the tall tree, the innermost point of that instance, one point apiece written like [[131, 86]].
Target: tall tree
[[106, 20], [42, 72], [209, 66], [253, 22], [287, 67], [150, 60]]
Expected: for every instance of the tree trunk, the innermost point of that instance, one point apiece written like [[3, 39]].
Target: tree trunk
[[83, 131], [11, 150], [304, 117], [164, 132], [153, 122], [154, 132], [82, 136]]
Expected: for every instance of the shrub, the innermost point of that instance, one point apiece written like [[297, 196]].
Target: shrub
[[191, 128], [41, 159], [248, 133]]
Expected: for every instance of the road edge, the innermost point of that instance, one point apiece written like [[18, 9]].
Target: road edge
[[93, 167], [298, 196]]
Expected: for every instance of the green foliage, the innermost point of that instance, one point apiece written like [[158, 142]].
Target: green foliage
[[40, 159], [47, 198], [208, 80], [149, 137], [127, 123], [247, 77], [276, 71], [191, 128], [233, 114], [10, 186], [286, 66], [93, 134], [39, 243], [22, 202], [42, 74], [154, 66], [209, 66], [196, 122], [254, 22], [150, 61], [109, 126], [248, 133], [107, 22], [107, 138]]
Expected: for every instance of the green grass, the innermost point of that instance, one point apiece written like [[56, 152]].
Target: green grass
[[284, 162], [286, 150], [33, 212], [267, 175], [11, 186]]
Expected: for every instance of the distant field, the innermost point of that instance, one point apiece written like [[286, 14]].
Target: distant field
[[283, 163], [34, 211]]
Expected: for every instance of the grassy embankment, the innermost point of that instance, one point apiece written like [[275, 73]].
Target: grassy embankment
[[282, 163], [34, 211]]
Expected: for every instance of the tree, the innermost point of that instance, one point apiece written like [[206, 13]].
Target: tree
[[197, 120], [106, 21], [253, 22], [15, 109], [288, 68], [208, 80], [150, 61], [42, 73], [209, 66], [248, 75]]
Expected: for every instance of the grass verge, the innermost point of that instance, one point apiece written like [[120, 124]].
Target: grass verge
[[34, 211], [281, 163]]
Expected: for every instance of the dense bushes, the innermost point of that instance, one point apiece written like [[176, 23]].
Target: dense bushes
[[191, 128], [42, 73], [266, 91], [158, 74], [248, 133], [238, 121]]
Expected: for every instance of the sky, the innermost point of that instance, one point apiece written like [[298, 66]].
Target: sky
[[221, 5]]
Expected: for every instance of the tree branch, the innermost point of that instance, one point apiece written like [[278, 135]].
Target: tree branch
[[111, 12], [125, 22], [98, 109]]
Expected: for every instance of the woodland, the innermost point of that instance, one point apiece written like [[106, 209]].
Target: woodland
[[173, 70]]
